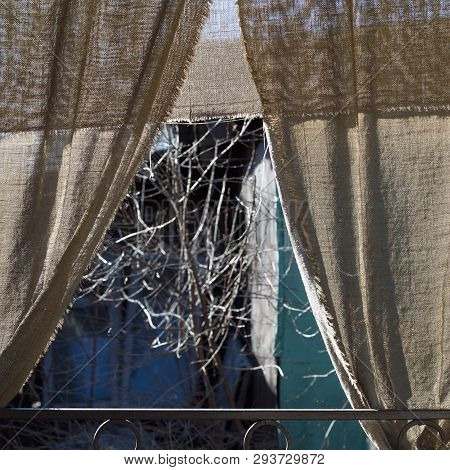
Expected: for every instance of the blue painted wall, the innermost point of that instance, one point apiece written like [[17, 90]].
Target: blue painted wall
[[309, 379]]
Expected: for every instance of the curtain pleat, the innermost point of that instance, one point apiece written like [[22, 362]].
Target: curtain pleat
[[355, 101], [84, 86]]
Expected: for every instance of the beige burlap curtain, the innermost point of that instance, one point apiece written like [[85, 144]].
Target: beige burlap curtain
[[83, 86], [354, 96]]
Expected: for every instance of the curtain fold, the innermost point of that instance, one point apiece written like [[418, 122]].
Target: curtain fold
[[84, 86], [354, 95]]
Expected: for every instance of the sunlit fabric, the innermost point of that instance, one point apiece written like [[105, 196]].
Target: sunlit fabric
[[355, 101], [354, 95], [84, 85]]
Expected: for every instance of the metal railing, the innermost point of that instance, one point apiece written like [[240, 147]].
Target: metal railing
[[261, 417]]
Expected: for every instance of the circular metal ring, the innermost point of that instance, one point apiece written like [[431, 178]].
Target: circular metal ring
[[267, 422], [124, 422], [421, 422]]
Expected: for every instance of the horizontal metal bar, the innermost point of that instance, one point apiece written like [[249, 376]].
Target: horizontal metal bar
[[217, 414]]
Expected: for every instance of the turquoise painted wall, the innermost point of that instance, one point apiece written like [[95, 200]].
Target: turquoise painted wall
[[302, 355]]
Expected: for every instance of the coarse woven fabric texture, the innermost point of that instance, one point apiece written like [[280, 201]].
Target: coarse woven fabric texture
[[322, 56], [219, 82], [354, 96], [367, 205], [84, 85], [355, 99]]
